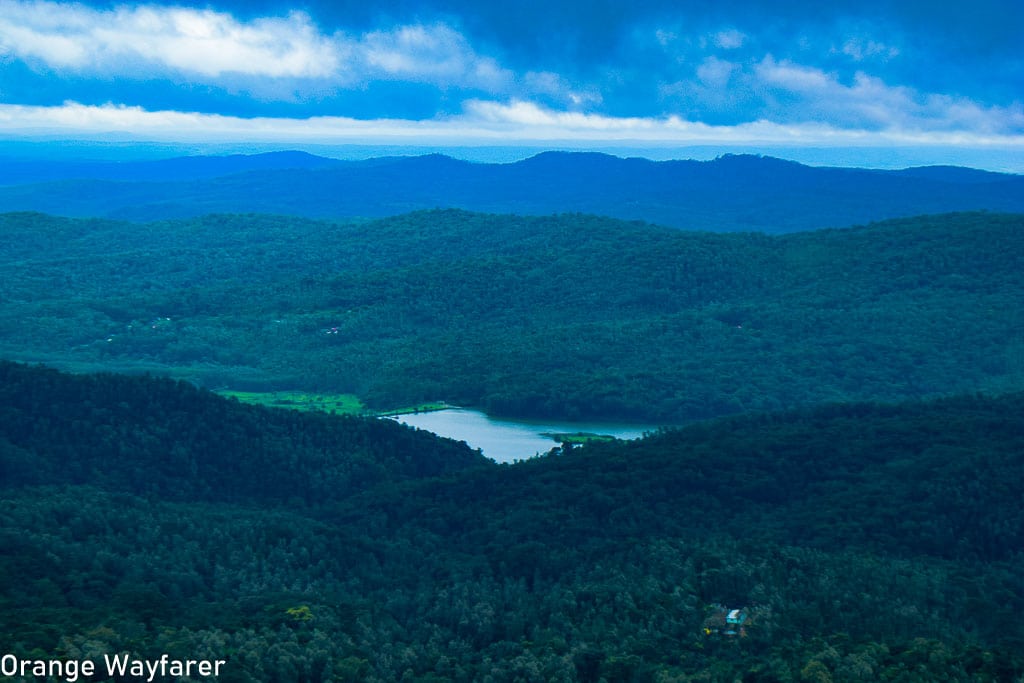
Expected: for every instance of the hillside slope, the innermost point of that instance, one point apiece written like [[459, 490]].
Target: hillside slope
[[175, 442], [865, 542], [566, 316]]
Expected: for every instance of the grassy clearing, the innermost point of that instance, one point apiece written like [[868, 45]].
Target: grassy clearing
[[347, 404], [343, 404]]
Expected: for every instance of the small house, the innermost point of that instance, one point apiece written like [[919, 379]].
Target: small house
[[736, 617], [726, 622]]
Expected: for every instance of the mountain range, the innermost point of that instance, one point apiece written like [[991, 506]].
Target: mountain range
[[731, 193]]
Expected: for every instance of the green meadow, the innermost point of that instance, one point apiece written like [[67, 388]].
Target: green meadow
[[343, 404]]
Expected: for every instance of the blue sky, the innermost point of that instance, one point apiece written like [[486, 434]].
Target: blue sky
[[933, 80]]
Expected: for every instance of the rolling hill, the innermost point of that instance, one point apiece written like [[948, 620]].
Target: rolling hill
[[864, 542], [731, 193], [566, 316]]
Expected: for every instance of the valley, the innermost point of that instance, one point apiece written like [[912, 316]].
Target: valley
[[147, 516], [441, 341], [636, 433]]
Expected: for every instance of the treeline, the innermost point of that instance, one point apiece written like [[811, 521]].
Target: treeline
[[565, 316], [866, 542]]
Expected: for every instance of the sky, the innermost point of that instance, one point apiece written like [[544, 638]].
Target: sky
[[898, 82]]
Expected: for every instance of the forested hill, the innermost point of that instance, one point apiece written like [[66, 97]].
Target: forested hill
[[939, 478], [865, 542], [175, 442], [566, 316], [732, 193]]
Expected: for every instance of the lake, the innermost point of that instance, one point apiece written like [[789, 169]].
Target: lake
[[509, 440]]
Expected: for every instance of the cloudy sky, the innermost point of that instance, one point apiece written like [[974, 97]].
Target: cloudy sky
[[903, 75]]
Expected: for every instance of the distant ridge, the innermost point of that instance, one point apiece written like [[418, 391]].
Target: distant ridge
[[731, 193], [19, 172]]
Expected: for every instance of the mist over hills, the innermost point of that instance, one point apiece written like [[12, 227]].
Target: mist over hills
[[731, 193]]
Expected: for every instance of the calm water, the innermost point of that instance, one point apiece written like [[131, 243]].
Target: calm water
[[509, 440]]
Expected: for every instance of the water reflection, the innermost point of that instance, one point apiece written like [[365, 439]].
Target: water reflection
[[509, 440]]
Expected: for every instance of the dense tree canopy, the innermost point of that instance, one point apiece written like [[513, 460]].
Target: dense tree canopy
[[866, 542], [176, 442], [564, 316], [860, 504]]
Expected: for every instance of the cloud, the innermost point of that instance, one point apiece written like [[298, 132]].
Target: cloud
[[558, 88], [869, 103], [729, 39], [664, 37], [860, 49], [738, 90], [665, 76], [714, 72], [434, 53], [481, 122], [794, 78], [133, 40], [271, 55], [437, 54], [679, 39]]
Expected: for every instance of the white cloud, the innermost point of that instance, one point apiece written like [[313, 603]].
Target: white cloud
[[664, 37], [729, 39], [793, 77], [860, 49], [551, 84], [536, 120], [482, 122], [143, 41], [715, 73], [434, 53], [132, 40], [870, 103]]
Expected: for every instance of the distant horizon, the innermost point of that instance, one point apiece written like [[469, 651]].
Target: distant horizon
[[874, 158], [865, 83]]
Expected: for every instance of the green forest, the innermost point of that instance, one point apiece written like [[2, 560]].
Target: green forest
[[834, 494], [863, 542], [564, 316]]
